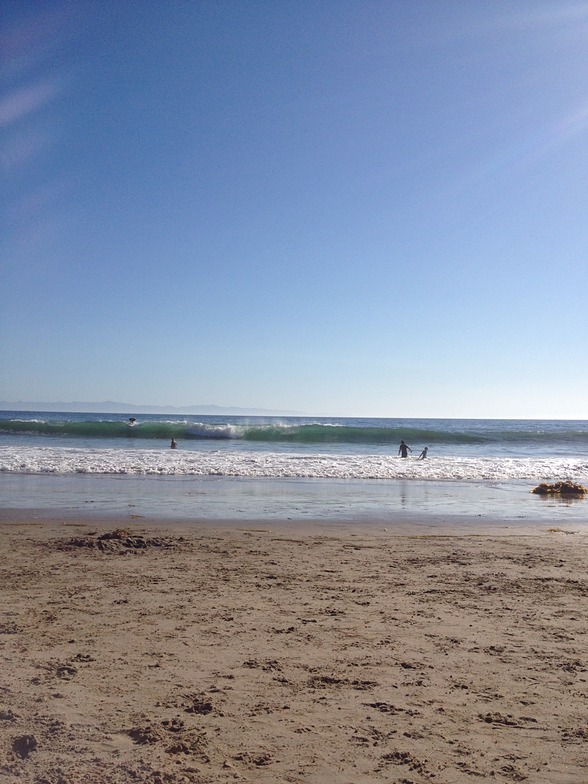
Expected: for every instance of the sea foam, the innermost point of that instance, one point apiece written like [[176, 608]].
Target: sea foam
[[229, 463]]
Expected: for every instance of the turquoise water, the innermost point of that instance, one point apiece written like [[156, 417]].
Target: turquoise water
[[445, 436]]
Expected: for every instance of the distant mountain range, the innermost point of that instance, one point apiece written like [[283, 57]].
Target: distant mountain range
[[113, 407]]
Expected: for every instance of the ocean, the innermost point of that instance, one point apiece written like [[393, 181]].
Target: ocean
[[290, 468]]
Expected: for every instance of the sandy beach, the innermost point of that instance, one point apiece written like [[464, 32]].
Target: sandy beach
[[210, 653]]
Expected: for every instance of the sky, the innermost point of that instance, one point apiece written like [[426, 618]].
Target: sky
[[336, 207]]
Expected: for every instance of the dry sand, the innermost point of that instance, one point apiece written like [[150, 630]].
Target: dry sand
[[218, 654]]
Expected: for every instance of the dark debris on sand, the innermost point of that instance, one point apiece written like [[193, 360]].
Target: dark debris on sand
[[119, 541]]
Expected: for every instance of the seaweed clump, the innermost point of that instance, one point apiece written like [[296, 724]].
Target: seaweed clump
[[561, 488]]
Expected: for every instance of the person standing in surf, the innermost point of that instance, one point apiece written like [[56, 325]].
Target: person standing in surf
[[404, 449]]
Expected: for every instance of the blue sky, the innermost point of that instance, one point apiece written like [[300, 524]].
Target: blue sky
[[347, 208]]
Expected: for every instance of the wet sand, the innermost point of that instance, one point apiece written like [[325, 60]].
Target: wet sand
[[220, 653]]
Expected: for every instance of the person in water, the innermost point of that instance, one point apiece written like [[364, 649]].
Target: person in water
[[404, 449], [423, 454], [173, 444]]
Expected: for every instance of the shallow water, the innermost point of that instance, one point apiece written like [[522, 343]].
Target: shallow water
[[473, 505]]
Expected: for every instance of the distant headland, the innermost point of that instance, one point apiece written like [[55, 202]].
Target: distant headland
[[114, 407]]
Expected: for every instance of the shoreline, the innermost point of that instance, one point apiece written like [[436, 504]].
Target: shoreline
[[395, 504], [212, 653]]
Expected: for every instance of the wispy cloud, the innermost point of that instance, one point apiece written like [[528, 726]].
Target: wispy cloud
[[23, 102]]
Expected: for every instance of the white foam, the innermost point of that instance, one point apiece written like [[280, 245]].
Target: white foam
[[146, 462]]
